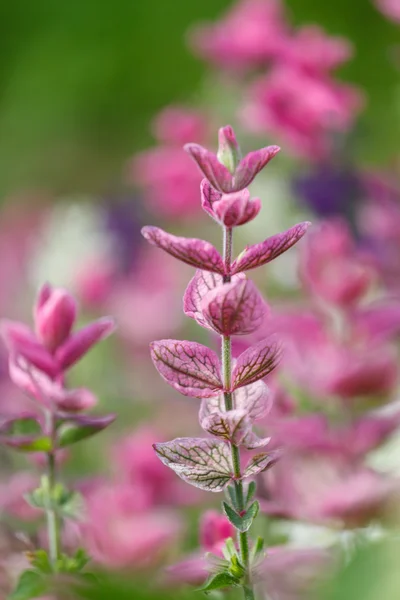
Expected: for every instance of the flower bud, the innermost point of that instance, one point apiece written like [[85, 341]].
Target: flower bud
[[55, 313], [228, 149], [236, 209]]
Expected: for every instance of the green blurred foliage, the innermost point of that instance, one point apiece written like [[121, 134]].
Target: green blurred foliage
[[79, 81]]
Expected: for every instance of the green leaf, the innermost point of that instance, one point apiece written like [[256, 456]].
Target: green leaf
[[251, 490], [229, 549], [231, 495], [31, 584], [258, 548], [40, 561], [236, 568], [219, 581], [24, 434], [75, 429], [241, 522]]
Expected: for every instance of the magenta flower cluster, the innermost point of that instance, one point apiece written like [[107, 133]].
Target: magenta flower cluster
[[233, 395]]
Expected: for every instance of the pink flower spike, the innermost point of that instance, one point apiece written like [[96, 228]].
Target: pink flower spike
[[255, 363], [21, 341], [189, 367], [194, 252], [214, 528], [235, 308], [54, 314], [220, 177], [204, 463], [80, 342], [264, 252]]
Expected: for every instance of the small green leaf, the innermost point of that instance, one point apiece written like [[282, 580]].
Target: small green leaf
[[236, 568], [75, 429], [251, 490], [241, 522], [229, 549], [24, 434], [81, 559], [258, 548], [40, 561], [219, 581], [31, 584], [231, 495]]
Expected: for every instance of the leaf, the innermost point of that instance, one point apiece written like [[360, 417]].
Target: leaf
[[255, 363], [199, 285], [232, 425], [241, 522], [192, 251], [214, 171], [251, 490], [255, 399], [235, 308], [258, 548], [79, 427], [230, 492], [189, 367], [264, 252], [39, 559], [219, 581], [261, 462], [24, 434], [252, 164], [31, 584], [205, 463], [251, 441]]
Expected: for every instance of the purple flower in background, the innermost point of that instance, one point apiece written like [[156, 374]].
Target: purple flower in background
[[329, 190], [122, 220]]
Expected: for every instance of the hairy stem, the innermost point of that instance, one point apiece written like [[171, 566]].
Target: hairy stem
[[53, 522], [226, 377]]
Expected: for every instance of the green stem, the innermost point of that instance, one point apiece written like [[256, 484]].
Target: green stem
[[53, 522], [226, 377]]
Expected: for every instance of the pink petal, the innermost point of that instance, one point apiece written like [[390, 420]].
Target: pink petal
[[214, 528], [192, 251], [209, 195], [189, 367], [199, 285], [208, 163], [262, 253], [252, 164], [237, 208], [232, 425], [54, 317], [255, 363], [80, 342], [205, 463], [255, 399], [261, 462], [235, 308], [21, 341]]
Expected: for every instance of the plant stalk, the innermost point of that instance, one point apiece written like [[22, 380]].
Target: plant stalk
[[53, 521], [226, 377]]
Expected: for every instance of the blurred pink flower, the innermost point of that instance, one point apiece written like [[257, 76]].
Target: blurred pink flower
[[293, 573], [300, 108], [144, 303], [251, 34], [12, 501], [330, 267], [309, 48], [120, 532], [166, 174], [390, 8], [325, 486], [138, 466], [214, 530]]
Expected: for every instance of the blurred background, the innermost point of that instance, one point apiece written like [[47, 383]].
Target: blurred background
[[96, 101]]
